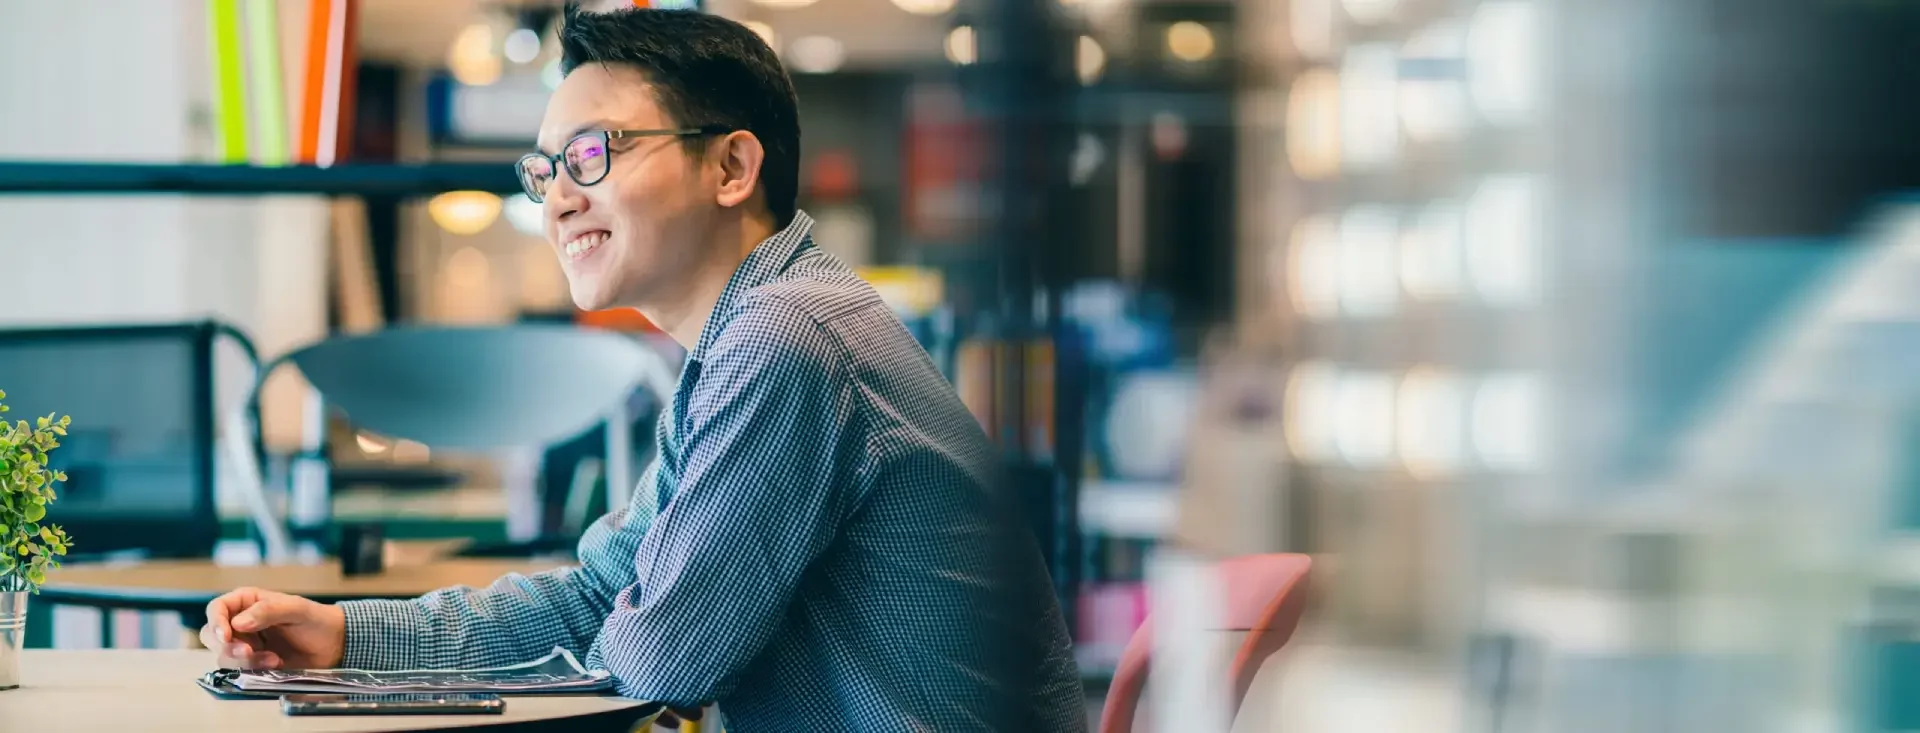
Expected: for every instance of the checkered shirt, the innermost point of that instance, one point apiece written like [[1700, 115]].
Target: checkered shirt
[[832, 549]]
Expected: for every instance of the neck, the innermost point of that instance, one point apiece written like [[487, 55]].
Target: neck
[[683, 317]]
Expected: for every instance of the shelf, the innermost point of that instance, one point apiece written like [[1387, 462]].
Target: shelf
[[364, 179]]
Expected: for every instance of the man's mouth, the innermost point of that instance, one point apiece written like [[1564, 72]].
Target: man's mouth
[[584, 244]]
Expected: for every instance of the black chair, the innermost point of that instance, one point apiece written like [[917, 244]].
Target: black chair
[[139, 455], [473, 388]]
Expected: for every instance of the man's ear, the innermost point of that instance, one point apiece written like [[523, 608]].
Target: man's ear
[[740, 157]]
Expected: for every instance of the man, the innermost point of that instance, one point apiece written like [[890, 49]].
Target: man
[[830, 550]]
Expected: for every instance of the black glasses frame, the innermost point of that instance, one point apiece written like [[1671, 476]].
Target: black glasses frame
[[558, 160]]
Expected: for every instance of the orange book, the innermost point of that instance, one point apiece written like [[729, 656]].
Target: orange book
[[314, 91]]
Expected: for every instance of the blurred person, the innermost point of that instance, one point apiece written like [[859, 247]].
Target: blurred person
[[833, 549]]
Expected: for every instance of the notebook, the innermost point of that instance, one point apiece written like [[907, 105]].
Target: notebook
[[557, 673]]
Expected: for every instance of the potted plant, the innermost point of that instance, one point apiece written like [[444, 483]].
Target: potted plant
[[27, 550]]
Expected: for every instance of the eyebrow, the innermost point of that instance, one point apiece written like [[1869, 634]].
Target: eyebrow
[[588, 127]]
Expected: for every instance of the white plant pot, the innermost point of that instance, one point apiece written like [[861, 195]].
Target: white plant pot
[[13, 636]]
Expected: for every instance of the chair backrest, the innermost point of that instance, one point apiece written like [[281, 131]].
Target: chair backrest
[[476, 388], [1265, 597], [139, 455]]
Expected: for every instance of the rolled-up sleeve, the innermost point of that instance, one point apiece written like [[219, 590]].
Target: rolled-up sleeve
[[759, 498], [515, 619], [518, 617]]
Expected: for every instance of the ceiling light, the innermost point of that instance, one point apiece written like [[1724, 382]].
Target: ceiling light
[[1313, 268], [764, 31], [1088, 154], [1433, 102], [1314, 32], [407, 451], [1313, 125], [1089, 60], [1430, 259], [464, 212], [522, 46], [1189, 41], [527, 217], [1503, 60], [1363, 418], [551, 75], [1430, 429], [960, 46], [925, 7], [1369, 106], [472, 59], [1309, 410], [785, 4], [1369, 12], [816, 55], [1506, 422], [1369, 285], [371, 444], [1502, 228]]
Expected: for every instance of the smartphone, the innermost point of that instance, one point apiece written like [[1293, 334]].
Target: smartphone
[[394, 704]]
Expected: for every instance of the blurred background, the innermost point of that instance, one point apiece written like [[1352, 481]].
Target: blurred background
[[1573, 343]]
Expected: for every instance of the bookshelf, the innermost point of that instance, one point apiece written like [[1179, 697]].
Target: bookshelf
[[353, 179]]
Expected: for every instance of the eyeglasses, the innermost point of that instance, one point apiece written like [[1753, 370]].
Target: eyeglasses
[[585, 157]]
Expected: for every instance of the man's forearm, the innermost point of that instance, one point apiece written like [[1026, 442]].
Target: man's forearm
[[516, 619]]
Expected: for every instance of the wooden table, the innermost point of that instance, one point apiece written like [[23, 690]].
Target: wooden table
[[116, 691], [186, 586]]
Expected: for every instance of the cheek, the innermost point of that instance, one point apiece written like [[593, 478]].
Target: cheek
[[550, 220]]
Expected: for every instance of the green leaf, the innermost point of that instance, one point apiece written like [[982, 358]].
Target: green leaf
[[36, 575], [36, 512]]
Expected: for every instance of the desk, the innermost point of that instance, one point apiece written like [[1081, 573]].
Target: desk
[[186, 586], [117, 691]]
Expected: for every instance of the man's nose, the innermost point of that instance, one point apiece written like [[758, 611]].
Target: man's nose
[[564, 197]]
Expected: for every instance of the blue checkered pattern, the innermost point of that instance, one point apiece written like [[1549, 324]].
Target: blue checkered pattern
[[831, 550]]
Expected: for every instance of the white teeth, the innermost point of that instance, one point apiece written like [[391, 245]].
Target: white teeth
[[584, 243]]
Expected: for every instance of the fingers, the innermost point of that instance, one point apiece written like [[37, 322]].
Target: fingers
[[270, 611], [234, 621], [211, 637], [220, 613]]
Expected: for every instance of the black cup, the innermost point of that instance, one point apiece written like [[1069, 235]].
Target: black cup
[[363, 549]]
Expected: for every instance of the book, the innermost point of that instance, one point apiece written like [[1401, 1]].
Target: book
[[558, 671]]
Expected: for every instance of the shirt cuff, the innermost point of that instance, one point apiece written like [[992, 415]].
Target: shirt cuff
[[382, 634]]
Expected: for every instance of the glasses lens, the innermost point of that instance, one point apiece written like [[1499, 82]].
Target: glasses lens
[[587, 159], [535, 173]]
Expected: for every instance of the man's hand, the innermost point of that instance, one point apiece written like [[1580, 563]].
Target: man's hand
[[252, 628]]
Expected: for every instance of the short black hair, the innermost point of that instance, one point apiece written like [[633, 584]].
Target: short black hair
[[705, 70]]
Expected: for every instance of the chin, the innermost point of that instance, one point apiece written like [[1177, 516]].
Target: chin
[[591, 300]]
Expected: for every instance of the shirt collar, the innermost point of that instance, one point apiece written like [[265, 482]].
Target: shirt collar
[[767, 261]]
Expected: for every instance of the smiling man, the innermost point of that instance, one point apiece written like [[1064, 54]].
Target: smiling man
[[832, 550]]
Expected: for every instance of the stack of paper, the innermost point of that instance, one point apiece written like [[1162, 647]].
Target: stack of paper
[[556, 672]]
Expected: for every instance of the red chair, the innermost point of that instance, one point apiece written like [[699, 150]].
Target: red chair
[[1266, 594]]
